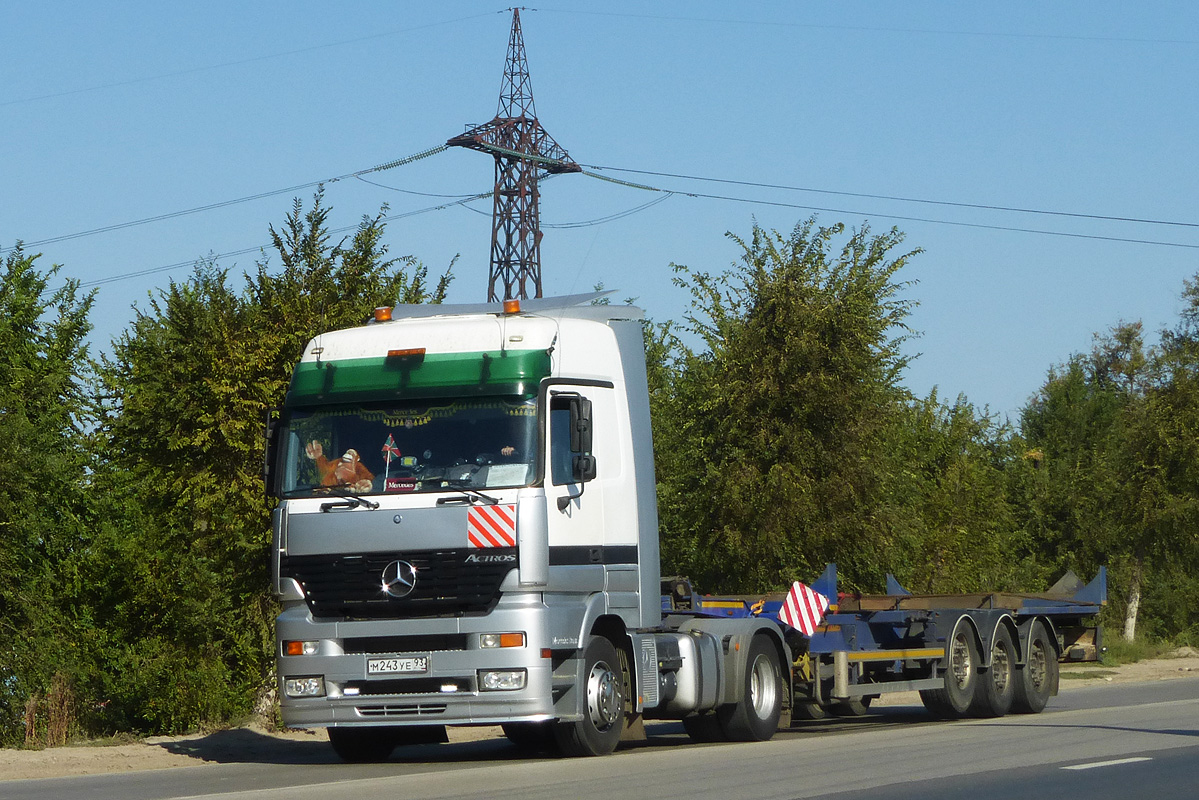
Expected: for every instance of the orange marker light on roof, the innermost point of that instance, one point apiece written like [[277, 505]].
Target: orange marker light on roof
[[411, 352], [512, 306], [383, 314]]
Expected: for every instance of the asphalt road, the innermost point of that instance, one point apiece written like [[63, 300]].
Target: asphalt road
[[1101, 742]]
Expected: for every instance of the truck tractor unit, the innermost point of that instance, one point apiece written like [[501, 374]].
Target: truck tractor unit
[[467, 534]]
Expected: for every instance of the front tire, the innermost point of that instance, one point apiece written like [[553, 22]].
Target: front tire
[[755, 717], [598, 732], [961, 677]]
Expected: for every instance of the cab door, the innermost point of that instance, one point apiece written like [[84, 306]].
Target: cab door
[[574, 470]]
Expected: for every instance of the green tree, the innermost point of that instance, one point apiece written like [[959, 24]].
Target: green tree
[[189, 618], [1116, 431], [770, 443], [44, 415]]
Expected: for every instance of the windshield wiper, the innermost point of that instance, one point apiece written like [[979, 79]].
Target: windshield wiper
[[466, 490], [352, 500]]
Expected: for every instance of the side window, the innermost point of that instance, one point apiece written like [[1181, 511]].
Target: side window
[[560, 455]]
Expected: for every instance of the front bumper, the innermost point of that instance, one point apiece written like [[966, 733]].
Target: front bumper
[[447, 693]]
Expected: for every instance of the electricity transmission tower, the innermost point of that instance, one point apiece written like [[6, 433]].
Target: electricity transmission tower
[[524, 153]]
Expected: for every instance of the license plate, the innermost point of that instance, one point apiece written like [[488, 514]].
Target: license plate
[[397, 666]]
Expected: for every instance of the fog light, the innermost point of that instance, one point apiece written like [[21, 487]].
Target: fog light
[[489, 640], [311, 686], [299, 648], [505, 680]]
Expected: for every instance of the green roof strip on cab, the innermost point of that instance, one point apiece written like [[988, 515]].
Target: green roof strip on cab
[[446, 374]]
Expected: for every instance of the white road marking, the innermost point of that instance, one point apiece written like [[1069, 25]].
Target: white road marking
[[1110, 763]]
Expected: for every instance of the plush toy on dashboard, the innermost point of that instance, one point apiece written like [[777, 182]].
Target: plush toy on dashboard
[[347, 471]]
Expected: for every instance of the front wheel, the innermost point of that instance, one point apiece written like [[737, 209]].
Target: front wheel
[[755, 717], [598, 732]]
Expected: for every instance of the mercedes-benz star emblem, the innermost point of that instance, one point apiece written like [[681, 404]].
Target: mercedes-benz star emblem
[[399, 579]]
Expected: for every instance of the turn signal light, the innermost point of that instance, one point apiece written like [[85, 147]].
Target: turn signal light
[[489, 640]]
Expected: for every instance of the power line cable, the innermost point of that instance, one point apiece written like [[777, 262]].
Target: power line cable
[[983, 226], [239, 62], [225, 203], [876, 29], [949, 203], [180, 264]]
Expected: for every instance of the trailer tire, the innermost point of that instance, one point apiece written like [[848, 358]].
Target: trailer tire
[[599, 731], [961, 677], [755, 717], [808, 710], [857, 707], [997, 686], [1035, 680]]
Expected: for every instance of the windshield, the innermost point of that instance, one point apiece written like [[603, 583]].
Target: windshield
[[390, 448]]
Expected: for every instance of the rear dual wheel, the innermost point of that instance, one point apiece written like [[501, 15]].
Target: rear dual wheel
[[997, 686], [755, 718], [961, 677], [1036, 681]]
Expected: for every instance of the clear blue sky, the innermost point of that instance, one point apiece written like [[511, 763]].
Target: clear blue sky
[[118, 112]]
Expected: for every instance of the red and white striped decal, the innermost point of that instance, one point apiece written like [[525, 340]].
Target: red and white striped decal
[[491, 526], [803, 609]]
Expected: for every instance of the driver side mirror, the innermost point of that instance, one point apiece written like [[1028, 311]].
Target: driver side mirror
[[583, 468], [580, 425], [271, 421]]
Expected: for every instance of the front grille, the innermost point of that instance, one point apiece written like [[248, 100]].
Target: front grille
[[339, 585], [402, 710], [431, 643]]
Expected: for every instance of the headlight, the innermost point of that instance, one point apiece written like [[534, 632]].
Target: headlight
[[502, 680], [309, 686]]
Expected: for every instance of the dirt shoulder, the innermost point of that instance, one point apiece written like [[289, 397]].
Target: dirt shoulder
[[255, 744]]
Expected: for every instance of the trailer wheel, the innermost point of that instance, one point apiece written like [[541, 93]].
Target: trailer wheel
[[1035, 680], [858, 707], [808, 709], [961, 677], [997, 686], [755, 718], [598, 732]]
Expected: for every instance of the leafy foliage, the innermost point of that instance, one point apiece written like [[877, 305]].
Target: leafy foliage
[[186, 391], [134, 534], [43, 506]]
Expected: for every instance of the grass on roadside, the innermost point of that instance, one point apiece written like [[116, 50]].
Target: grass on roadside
[[1118, 651]]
